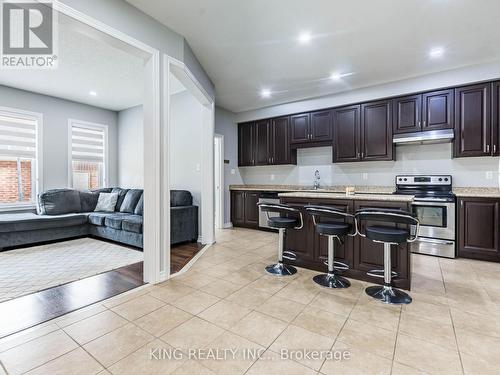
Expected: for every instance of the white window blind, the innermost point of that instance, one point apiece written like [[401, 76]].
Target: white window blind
[[87, 143], [18, 135]]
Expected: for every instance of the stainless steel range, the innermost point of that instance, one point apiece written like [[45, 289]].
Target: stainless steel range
[[434, 205]]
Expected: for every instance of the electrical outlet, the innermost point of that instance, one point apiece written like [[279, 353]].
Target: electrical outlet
[[489, 175], [365, 176], [272, 177], [233, 171]]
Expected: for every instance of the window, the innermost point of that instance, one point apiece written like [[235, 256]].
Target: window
[[20, 157], [88, 150]]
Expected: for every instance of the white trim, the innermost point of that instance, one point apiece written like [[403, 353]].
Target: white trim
[[221, 193], [90, 125], [198, 255], [152, 154], [39, 155], [17, 207], [228, 225]]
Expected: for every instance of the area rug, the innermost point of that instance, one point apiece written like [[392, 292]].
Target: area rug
[[32, 269]]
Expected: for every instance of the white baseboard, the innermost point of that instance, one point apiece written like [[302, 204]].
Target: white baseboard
[[228, 225]]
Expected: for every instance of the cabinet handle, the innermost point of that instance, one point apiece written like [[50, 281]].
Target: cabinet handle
[[487, 148], [494, 149], [358, 155], [362, 155], [420, 124], [424, 123]]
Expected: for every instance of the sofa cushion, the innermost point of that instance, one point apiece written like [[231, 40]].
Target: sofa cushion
[[139, 209], [59, 201], [97, 218], [88, 200], [180, 198], [31, 221], [121, 196], [106, 202], [101, 190], [132, 223], [130, 200], [114, 220]]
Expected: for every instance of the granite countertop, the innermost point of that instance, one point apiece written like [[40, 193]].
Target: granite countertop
[[303, 188], [368, 197], [479, 192]]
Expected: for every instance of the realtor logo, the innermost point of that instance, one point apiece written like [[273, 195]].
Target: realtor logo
[[28, 34]]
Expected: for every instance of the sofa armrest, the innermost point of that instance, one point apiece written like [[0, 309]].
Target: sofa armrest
[[183, 224]]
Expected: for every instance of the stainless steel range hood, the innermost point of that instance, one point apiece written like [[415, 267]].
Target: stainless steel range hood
[[424, 137]]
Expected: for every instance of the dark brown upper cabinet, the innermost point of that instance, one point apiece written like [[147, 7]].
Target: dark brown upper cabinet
[[262, 142], [246, 142], [437, 110], [495, 118], [376, 131], [473, 121], [299, 128], [308, 128], [346, 130], [280, 141], [407, 114]]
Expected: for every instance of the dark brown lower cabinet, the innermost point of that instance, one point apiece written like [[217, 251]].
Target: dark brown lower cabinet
[[360, 254], [244, 210], [479, 226]]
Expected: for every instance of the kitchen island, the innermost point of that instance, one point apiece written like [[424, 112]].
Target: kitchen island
[[361, 254]]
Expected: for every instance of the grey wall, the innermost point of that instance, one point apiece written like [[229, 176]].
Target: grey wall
[[225, 125], [185, 145], [56, 113], [131, 21], [131, 148]]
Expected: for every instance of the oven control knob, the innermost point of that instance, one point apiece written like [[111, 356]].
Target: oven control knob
[[440, 179], [406, 179], [400, 179], [446, 179]]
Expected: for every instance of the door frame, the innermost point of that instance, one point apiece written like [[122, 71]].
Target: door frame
[[220, 222], [153, 169], [187, 78]]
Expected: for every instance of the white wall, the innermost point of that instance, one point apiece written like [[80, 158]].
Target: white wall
[[131, 148], [410, 159], [225, 125], [56, 113], [185, 144]]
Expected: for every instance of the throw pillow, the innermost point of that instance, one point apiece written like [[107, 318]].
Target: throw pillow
[[106, 202]]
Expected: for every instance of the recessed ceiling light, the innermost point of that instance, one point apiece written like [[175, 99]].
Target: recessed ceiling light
[[305, 38], [338, 76], [436, 52], [92, 93], [265, 93]]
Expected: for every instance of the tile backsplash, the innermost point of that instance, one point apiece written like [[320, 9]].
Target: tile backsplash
[[410, 159]]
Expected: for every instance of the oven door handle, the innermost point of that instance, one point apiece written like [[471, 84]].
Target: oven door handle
[[436, 242]]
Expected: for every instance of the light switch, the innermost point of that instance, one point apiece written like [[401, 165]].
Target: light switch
[[489, 175], [198, 167], [365, 176], [272, 177]]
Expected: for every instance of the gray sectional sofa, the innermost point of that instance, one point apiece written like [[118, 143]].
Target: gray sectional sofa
[[66, 213]]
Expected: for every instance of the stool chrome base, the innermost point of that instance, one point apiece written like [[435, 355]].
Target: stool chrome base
[[387, 294], [280, 269], [331, 281]]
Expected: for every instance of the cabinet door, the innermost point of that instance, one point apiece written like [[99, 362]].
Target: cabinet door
[[346, 126], [262, 142], [369, 255], [238, 208], [376, 131], [406, 114], [280, 141], [299, 128], [251, 209], [321, 126], [479, 227], [343, 251], [246, 144], [300, 242], [495, 119], [437, 110], [472, 121]]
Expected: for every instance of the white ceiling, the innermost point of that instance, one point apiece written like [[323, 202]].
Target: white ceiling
[[88, 61], [246, 46]]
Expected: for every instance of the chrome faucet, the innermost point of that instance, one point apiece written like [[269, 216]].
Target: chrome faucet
[[316, 180]]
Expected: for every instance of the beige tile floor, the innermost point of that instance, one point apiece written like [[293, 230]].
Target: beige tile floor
[[226, 301]]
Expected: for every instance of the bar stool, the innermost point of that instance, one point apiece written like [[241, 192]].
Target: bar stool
[[388, 235], [292, 220], [333, 231]]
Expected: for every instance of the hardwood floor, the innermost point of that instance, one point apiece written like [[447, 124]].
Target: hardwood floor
[[180, 255], [32, 309]]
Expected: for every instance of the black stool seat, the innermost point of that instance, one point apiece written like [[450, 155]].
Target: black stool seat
[[333, 229], [283, 222], [387, 234]]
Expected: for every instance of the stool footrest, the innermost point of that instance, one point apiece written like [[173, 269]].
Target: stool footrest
[[289, 255], [338, 265], [380, 273]]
